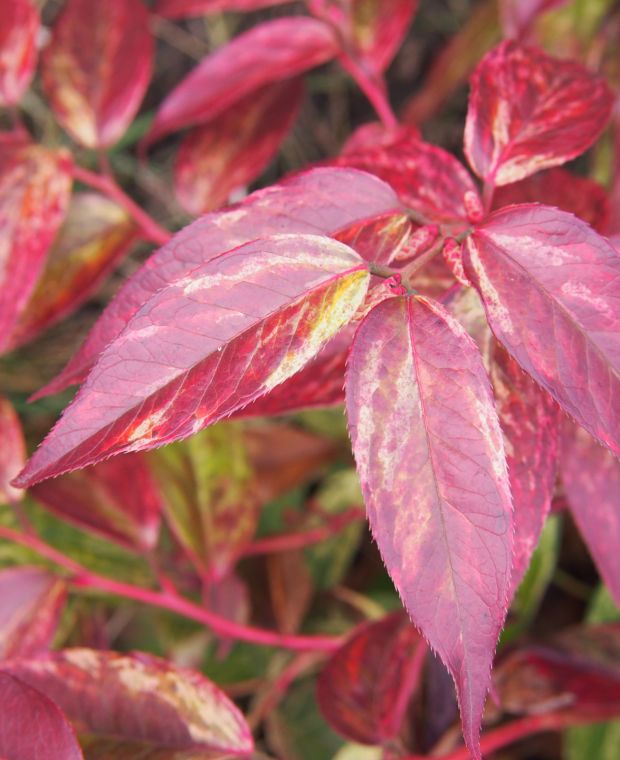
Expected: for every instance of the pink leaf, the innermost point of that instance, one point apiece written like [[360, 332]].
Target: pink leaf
[[97, 67], [591, 478], [529, 111], [31, 602], [206, 345], [32, 727], [186, 8], [268, 53], [374, 134], [19, 23], [430, 456], [137, 697], [549, 287], [233, 149], [321, 201], [12, 451]]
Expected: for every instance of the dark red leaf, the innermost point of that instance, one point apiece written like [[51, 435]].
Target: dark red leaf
[[358, 690], [430, 456], [518, 16], [529, 111], [145, 699], [31, 602], [97, 67], [32, 727], [232, 150], [185, 8], [12, 451], [19, 23], [117, 499], [549, 286], [265, 54], [591, 478]]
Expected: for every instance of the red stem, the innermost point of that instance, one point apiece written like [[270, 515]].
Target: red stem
[[173, 602], [106, 184], [373, 88]]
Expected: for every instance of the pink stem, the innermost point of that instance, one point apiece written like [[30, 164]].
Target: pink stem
[[106, 184], [373, 89], [173, 602]]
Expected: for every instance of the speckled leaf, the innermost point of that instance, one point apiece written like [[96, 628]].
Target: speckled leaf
[[32, 726], [232, 149], [380, 239], [270, 52], [185, 8], [117, 499], [591, 478], [517, 16], [549, 286], [374, 134], [207, 345], [320, 201], [146, 699], [528, 111], [12, 451], [97, 67], [95, 235], [19, 23], [359, 687], [34, 193], [31, 602], [430, 456]]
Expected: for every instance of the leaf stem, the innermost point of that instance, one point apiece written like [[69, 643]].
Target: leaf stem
[[373, 88]]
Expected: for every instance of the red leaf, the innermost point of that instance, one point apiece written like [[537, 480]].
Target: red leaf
[[31, 602], [32, 727], [12, 451], [206, 345], [233, 149], [117, 499], [359, 688], [374, 134], [97, 67], [34, 192], [19, 23], [557, 187], [319, 201], [430, 456], [185, 8], [268, 53], [518, 16], [528, 111], [146, 699], [591, 478], [547, 282]]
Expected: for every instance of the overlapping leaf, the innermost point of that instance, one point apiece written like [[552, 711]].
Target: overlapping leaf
[[184, 8], [268, 53], [430, 456], [231, 150], [97, 67], [529, 111], [19, 23], [146, 700], [549, 286], [12, 451]]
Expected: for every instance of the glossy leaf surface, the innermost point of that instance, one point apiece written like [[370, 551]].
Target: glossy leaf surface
[[270, 52], [207, 345], [19, 23], [12, 451], [430, 456], [32, 727], [97, 67], [528, 111], [232, 150], [117, 499], [146, 699], [185, 8], [31, 601]]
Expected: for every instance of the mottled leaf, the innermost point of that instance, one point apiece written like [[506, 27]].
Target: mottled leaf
[[549, 286], [375, 134], [232, 149], [146, 699], [207, 345], [12, 451], [431, 460], [34, 193], [518, 15], [321, 201], [185, 8], [19, 23], [528, 111], [32, 726], [591, 478], [270, 52], [31, 601], [95, 235], [359, 687], [117, 499], [97, 67]]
